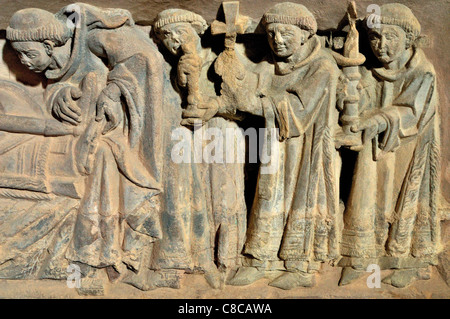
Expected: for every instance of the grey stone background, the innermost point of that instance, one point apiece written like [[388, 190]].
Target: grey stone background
[[433, 15]]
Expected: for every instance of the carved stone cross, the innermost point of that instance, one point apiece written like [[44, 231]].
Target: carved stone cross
[[234, 23]]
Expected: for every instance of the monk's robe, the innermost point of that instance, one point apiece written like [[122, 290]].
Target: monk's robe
[[391, 217], [204, 211], [35, 224], [224, 179], [119, 213], [294, 223]]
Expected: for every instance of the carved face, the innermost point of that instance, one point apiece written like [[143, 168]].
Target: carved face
[[34, 55], [388, 42], [175, 35], [284, 39]]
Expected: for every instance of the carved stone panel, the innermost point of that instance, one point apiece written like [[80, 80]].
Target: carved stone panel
[[201, 147]]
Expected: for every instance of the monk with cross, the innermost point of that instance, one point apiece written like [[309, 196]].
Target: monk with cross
[[294, 223], [218, 227]]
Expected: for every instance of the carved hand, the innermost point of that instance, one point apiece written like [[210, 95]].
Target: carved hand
[[109, 107], [370, 127], [64, 106], [204, 112]]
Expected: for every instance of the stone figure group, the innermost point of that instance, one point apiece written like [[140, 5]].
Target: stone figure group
[[89, 180]]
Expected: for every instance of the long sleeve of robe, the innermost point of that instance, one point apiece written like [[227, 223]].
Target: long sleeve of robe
[[120, 212], [295, 215], [398, 217]]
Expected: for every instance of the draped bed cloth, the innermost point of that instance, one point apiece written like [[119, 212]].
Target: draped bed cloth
[[35, 224]]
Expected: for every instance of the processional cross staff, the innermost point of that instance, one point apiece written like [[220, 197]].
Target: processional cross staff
[[350, 61], [232, 71], [227, 64]]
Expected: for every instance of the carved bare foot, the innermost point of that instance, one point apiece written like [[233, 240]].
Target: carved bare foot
[[402, 278], [291, 280], [349, 275], [246, 276]]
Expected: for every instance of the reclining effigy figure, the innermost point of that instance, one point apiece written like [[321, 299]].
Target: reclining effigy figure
[[32, 191]]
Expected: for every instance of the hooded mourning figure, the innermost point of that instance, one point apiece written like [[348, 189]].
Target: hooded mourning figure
[[105, 76], [391, 218]]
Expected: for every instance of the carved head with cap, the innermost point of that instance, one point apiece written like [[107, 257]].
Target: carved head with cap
[[36, 35], [288, 26], [398, 29], [177, 28]]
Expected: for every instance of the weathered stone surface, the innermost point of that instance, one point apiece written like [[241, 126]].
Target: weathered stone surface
[[124, 160], [328, 15], [444, 267]]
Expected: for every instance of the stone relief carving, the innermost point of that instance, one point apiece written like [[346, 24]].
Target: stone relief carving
[[224, 216], [112, 102], [122, 170], [293, 225], [398, 224]]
